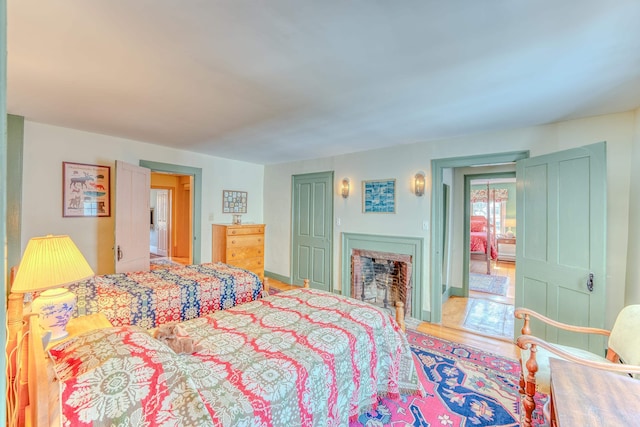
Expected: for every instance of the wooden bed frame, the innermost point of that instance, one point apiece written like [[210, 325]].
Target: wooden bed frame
[[37, 398]]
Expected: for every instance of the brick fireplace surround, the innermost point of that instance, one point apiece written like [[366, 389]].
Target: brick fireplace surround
[[381, 278], [403, 250]]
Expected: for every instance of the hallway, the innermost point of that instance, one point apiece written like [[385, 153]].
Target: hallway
[[484, 313]]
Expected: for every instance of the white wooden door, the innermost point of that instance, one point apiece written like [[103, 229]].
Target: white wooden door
[[561, 232], [163, 205], [132, 217]]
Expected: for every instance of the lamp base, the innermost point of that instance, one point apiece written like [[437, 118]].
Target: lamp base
[[54, 308]]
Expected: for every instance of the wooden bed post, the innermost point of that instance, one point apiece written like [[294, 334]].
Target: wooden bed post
[[306, 283], [400, 315], [265, 286]]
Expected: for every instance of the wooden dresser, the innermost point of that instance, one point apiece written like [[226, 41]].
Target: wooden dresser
[[239, 245]]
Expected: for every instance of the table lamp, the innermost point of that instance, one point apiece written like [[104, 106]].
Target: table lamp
[[49, 263], [509, 223]]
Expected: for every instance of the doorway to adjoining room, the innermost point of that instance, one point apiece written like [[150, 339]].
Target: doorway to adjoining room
[[170, 220], [485, 302]]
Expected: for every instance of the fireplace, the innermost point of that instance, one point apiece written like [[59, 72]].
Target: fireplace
[[381, 278], [390, 268]]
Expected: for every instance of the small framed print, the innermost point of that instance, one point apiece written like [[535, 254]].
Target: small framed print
[[234, 202], [379, 196], [86, 190]]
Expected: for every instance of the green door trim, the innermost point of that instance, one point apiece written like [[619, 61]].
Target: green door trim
[[437, 166], [467, 221], [197, 198], [328, 215]]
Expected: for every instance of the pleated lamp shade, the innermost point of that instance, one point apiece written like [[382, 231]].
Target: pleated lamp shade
[[50, 262]]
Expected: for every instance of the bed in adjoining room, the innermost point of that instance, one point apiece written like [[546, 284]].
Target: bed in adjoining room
[[300, 357]]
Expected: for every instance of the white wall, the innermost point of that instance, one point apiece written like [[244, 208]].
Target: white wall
[[46, 147], [404, 161], [632, 295]]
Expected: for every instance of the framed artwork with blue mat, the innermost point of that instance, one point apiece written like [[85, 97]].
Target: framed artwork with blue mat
[[379, 196]]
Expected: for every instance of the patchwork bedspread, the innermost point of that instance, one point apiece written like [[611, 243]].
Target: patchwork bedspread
[[298, 358], [151, 298]]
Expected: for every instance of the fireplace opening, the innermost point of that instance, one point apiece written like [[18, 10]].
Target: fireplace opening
[[381, 278]]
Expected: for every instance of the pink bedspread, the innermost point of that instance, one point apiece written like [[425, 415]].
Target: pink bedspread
[[479, 244], [297, 358]]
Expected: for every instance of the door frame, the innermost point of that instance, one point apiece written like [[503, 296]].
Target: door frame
[[466, 254], [326, 174], [437, 221], [196, 173]]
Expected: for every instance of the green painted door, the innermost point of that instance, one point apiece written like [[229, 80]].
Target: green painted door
[[312, 229], [561, 232]]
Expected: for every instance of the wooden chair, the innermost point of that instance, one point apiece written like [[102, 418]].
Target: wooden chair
[[622, 356]]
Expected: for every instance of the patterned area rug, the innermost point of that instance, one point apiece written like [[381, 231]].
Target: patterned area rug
[[496, 285], [490, 318], [464, 387]]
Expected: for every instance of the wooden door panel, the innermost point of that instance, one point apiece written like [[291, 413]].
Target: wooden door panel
[[304, 257], [535, 244], [312, 229], [561, 233], [319, 257], [319, 196], [573, 199], [132, 218]]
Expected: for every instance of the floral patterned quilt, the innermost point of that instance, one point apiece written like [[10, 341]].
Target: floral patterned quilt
[[151, 298], [478, 243], [298, 358]]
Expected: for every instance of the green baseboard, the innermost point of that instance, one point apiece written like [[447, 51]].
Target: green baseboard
[[278, 277], [456, 292]]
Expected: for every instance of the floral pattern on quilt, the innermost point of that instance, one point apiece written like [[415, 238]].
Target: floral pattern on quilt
[[301, 357], [152, 298]]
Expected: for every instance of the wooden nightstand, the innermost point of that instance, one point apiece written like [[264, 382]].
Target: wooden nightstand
[[79, 325], [506, 248]]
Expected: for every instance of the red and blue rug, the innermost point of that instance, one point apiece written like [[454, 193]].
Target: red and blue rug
[[464, 387]]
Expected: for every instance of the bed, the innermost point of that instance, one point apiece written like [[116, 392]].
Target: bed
[[482, 241], [151, 298], [300, 357]]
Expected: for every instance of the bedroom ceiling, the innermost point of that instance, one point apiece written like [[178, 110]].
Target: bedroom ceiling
[[282, 80]]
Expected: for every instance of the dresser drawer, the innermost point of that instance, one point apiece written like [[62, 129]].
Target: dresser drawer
[[252, 264], [243, 241], [245, 229], [241, 252]]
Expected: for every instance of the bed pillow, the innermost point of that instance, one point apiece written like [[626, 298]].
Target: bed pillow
[[477, 225]]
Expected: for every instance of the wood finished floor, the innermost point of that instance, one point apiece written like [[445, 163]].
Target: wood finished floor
[[502, 347], [483, 313]]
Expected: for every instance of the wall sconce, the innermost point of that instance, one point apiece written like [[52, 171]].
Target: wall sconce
[[418, 182], [344, 188]]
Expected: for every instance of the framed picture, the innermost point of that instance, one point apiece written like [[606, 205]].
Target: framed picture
[[379, 196], [234, 202], [86, 190]]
